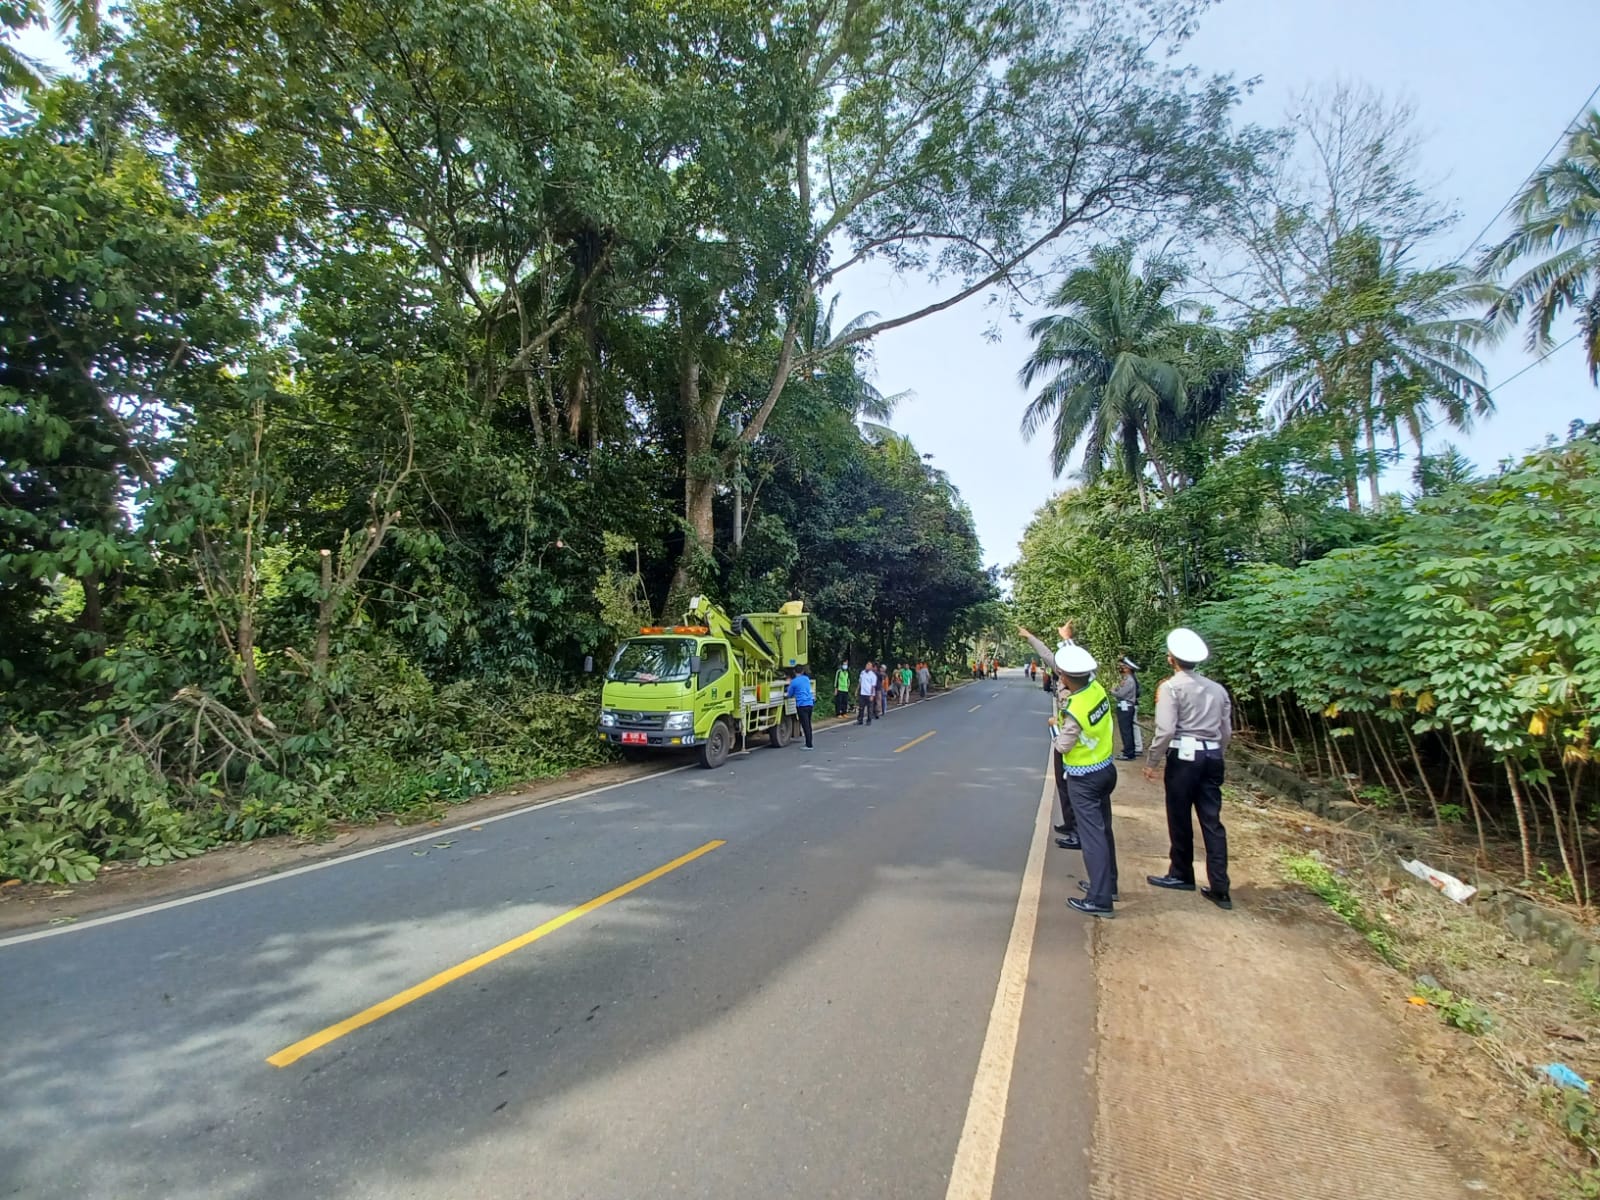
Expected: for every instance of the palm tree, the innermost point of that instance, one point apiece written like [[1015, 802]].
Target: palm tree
[[1558, 218], [1381, 349], [18, 72], [819, 347], [1120, 361]]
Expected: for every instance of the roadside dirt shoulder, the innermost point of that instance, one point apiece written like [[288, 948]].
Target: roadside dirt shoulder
[[1263, 1052]]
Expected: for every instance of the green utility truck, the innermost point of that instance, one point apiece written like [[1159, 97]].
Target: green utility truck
[[710, 683]]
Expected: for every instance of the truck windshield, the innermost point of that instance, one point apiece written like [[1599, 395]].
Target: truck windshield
[[652, 660]]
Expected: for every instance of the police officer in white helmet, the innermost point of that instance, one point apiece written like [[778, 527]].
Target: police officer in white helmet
[[1083, 740], [1194, 718]]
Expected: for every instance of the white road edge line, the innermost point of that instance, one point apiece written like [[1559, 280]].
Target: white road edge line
[[338, 860], [323, 864], [978, 1153]]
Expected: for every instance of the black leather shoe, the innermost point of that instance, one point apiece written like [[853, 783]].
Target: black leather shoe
[[1220, 899], [1083, 886], [1171, 882], [1093, 910], [1061, 829], [1070, 842]]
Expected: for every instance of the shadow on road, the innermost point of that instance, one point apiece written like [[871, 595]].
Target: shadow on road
[[134, 1058]]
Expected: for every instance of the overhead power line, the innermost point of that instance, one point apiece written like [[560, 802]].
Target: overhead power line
[[1533, 364], [1516, 191]]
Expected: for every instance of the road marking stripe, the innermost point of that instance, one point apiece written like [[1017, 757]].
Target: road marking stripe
[[322, 864], [915, 740], [972, 1175], [975, 708], [433, 835], [383, 1008]]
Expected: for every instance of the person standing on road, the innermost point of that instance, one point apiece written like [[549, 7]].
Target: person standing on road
[[866, 705], [1067, 830], [1194, 718], [924, 678], [805, 700], [1126, 694], [841, 690], [1084, 742], [882, 692], [905, 684]]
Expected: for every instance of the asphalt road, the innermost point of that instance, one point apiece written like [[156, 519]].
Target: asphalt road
[[814, 1005]]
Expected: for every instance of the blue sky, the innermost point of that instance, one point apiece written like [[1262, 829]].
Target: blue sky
[[1493, 86]]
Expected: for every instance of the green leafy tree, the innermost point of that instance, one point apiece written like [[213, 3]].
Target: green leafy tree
[[112, 327], [1464, 635], [1034, 123], [1076, 563], [1324, 238], [1119, 368], [1383, 348], [1558, 222], [18, 72]]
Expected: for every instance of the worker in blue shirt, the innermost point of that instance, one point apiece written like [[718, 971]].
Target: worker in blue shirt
[[805, 700]]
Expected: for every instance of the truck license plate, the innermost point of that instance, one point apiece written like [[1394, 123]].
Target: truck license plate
[[634, 739]]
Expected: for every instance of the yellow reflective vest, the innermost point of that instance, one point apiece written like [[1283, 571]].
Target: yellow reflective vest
[[1091, 709]]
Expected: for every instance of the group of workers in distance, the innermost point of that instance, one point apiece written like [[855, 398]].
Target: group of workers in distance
[[878, 685], [1193, 718]]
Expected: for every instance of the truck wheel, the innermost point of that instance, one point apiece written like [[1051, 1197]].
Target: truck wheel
[[780, 733], [714, 750]]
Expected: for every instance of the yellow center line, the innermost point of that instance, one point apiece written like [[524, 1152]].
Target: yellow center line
[[975, 708], [914, 741], [383, 1008]]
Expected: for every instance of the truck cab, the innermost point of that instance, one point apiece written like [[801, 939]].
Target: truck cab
[[707, 685]]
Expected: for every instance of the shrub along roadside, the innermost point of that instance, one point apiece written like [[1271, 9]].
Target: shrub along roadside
[[67, 806], [1456, 661]]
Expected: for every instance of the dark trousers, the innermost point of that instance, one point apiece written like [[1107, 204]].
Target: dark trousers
[[803, 711], [1069, 823], [841, 703], [865, 707], [1091, 804], [1125, 727], [1197, 786]]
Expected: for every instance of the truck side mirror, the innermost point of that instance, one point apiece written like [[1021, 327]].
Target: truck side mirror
[[694, 668]]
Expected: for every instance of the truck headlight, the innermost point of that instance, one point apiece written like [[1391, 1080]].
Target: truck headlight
[[679, 720], [608, 716]]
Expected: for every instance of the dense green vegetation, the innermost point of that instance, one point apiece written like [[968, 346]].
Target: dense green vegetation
[[361, 382], [1437, 651], [367, 369]]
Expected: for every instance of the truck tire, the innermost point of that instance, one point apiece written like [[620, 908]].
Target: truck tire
[[714, 750], [780, 733]]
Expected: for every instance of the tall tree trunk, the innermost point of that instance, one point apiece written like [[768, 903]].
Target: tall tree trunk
[[1347, 455], [1372, 463], [701, 407], [1522, 821], [92, 619], [327, 601]]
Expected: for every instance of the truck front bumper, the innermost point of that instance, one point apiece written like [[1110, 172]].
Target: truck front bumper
[[652, 738]]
